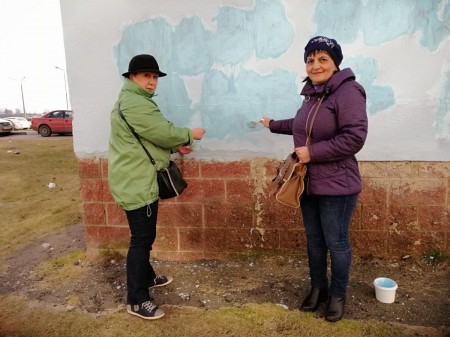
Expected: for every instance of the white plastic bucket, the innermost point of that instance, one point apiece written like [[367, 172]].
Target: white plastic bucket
[[385, 289]]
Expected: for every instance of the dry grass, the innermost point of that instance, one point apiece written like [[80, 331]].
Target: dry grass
[[246, 321], [29, 208]]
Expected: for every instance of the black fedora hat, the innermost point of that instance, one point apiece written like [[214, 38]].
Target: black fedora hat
[[143, 63]]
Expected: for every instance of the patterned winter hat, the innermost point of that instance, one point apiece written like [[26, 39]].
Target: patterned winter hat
[[327, 44]]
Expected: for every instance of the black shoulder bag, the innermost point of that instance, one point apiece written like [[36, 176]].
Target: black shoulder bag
[[170, 180]]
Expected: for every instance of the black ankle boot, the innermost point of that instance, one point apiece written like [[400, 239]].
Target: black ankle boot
[[315, 297], [335, 309]]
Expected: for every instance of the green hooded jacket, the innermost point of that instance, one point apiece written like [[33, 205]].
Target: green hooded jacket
[[131, 175]]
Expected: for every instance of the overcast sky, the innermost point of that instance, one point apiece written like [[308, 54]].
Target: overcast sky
[[31, 46]]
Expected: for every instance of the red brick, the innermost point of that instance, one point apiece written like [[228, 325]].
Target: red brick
[[216, 239], [228, 215], [253, 239], [96, 235], [115, 216], [373, 169], [189, 168], [239, 191], [180, 214], [374, 217], [93, 213], [374, 191], [403, 206], [119, 237], [413, 242], [166, 239], [403, 192], [293, 240], [434, 170], [434, 218], [91, 190], [106, 193], [403, 218], [203, 190], [402, 169], [369, 243], [192, 239], [225, 170], [104, 168], [432, 191], [89, 169], [276, 215]]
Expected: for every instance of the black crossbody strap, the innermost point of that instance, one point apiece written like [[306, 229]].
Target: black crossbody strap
[[137, 137]]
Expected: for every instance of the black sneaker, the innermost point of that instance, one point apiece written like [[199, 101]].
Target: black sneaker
[[161, 281], [146, 310]]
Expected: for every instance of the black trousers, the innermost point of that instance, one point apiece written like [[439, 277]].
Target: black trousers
[[140, 273]]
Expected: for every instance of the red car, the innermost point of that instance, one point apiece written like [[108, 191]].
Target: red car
[[57, 121]]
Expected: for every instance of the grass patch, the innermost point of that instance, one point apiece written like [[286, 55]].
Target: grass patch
[[54, 272], [29, 208], [249, 320]]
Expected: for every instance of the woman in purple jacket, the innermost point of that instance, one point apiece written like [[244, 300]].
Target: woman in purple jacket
[[333, 181]]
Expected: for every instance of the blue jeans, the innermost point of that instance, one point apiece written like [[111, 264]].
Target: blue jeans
[[140, 273], [327, 222]]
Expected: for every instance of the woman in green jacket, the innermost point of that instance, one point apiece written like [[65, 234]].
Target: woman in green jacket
[[132, 178]]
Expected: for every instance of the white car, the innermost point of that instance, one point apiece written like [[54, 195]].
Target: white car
[[19, 123], [5, 126]]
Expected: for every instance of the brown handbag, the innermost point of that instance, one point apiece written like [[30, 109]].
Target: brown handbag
[[289, 183]]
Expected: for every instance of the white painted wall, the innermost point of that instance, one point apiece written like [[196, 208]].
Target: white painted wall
[[403, 65]]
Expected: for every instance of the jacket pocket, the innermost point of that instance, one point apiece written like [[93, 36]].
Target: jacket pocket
[[326, 169]]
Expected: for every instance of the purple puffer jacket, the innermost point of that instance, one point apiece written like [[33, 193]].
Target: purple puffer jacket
[[338, 133]]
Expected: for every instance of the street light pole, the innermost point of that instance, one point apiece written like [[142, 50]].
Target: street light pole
[[23, 100], [65, 85]]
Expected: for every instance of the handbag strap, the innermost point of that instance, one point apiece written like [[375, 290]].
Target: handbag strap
[[137, 137], [308, 138]]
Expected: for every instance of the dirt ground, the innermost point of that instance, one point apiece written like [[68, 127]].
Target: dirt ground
[[422, 298]]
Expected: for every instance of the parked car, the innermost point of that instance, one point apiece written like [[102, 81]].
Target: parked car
[[19, 123], [57, 121], [5, 126]]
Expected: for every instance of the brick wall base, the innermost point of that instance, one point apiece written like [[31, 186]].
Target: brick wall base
[[403, 209]]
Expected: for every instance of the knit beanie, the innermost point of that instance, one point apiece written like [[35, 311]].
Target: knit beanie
[[324, 43]]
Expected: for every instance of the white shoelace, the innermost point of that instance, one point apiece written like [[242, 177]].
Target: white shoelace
[[149, 306]]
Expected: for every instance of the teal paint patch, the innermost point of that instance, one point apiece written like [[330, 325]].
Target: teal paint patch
[[366, 70], [383, 21], [228, 101], [442, 123], [191, 41], [149, 37], [340, 20], [387, 20], [233, 40], [173, 100], [273, 32]]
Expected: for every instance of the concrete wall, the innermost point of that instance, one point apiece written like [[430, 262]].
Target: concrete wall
[[231, 62]]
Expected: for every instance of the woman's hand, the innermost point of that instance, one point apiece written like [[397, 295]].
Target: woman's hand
[[303, 154], [184, 150], [198, 133], [265, 121]]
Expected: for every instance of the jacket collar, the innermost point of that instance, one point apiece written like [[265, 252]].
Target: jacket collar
[[135, 88]]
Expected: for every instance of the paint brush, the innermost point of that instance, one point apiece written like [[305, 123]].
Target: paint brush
[[253, 124]]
